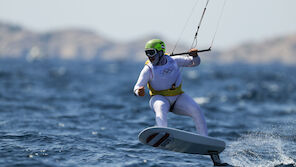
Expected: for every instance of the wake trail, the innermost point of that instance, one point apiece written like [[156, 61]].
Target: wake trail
[[268, 147]]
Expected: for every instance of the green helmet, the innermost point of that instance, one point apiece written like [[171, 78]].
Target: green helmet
[[155, 44]]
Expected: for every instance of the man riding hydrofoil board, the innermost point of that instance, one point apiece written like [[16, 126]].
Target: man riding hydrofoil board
[[162, 76]]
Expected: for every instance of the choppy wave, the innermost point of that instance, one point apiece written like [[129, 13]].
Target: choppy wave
[[70, 113]]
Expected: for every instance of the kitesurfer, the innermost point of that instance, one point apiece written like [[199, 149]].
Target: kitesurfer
[[162, 75]]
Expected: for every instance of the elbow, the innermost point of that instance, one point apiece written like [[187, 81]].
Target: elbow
[[196, 61]]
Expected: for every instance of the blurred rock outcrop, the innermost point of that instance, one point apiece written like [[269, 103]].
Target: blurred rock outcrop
[[16, 41], [281, 49]]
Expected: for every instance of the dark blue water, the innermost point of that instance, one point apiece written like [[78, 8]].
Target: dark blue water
[[70, 113]]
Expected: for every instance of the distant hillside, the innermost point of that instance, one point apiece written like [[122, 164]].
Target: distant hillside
[[281, 49], [16, 41], [67, 44]]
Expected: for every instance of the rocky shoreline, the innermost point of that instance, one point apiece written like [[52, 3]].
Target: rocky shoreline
[[16, 41]]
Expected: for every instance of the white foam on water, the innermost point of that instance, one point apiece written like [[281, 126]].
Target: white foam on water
[[261, 149], [202, 100]]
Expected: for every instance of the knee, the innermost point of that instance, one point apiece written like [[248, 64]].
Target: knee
[[159, 112], [159, 104]]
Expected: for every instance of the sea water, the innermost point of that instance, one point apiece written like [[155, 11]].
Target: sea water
[[84, 113]]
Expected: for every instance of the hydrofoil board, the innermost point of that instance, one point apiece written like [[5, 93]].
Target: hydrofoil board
[[181, 141]]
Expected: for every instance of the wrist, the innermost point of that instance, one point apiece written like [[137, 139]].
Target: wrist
[[136, 92]]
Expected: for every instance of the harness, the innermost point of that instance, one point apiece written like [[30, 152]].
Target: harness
[[168, 92]]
